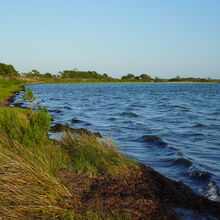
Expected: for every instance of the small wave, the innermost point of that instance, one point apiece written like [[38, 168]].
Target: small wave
[[55, 99], [183, 161], [152, 139], [130, 114], [194, 134], [55, 111], [213, 192], [67, 107], [200, 175], [179, 106], [137, 105], [75, 121], [197, 172], [199, 125], [127, 122], [112, 119]]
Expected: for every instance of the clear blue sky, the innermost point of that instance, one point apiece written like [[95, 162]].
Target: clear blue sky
[[162, 38]]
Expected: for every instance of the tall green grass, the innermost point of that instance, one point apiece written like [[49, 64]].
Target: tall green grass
[[91, 155], [24, 126]]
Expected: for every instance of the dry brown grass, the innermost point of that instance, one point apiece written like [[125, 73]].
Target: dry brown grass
[[28, 190]]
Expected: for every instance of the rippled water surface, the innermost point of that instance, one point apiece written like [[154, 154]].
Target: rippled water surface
[[174, 128]]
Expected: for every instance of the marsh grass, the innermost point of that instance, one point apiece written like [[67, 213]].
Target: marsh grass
[[91, 155], [28, 190], [29, 161], [30, 187], [24, 126]]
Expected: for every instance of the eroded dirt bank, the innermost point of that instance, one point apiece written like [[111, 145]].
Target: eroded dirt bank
[[145, 194]]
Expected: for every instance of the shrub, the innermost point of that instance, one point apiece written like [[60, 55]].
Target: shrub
[[7, 70], [30, 97]]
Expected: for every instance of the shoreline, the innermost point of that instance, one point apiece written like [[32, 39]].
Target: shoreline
[[9, 100], [161, 191]]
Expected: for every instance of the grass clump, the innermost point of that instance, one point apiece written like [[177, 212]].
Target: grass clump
[[25, 127], [90, 155], [28, 190], [29, 130]]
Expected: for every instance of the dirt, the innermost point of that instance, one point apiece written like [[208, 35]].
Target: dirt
[[7, 101], [145, 194]]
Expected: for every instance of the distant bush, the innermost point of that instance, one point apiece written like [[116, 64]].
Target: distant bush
[[142, 77], [7, 70]]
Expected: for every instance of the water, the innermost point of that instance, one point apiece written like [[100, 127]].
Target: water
[[173, 128]]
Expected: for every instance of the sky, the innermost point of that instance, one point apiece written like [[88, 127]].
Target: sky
[[162, 38]]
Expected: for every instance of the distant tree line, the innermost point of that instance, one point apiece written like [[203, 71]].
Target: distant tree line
[[77, 75], [37, 74], [146, 78], [68, 74]]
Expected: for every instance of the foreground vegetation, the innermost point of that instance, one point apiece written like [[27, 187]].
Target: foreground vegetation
[[30, 186]]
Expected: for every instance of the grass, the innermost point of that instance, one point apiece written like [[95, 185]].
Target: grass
[[29, 162], [92, 155], [24, 126], [28, 189], [28, 183], [7, 86]]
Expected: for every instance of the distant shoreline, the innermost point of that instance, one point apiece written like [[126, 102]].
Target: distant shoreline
[[10, 92]]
